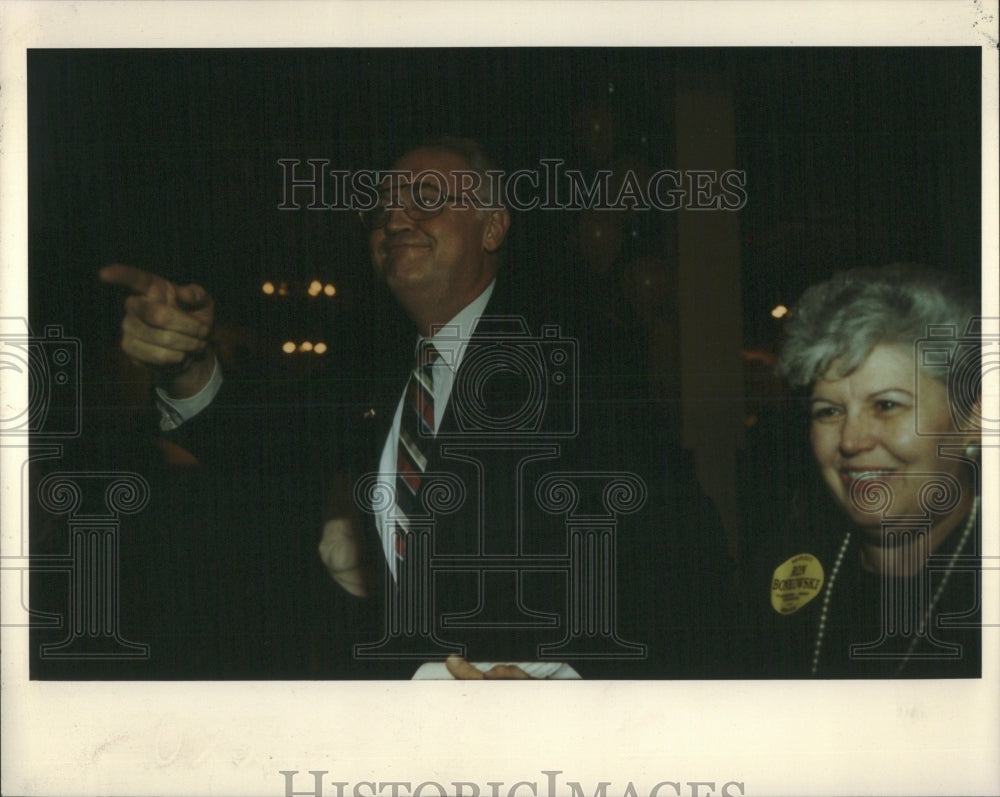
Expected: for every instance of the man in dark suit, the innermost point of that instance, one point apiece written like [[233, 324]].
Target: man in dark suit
[[500, 495]]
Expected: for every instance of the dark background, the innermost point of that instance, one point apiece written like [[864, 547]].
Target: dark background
[[168, 160]]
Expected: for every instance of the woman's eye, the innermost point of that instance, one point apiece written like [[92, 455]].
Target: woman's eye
[[886, 405], [823, 413]]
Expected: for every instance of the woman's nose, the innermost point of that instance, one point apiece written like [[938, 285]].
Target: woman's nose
[[857, 434]]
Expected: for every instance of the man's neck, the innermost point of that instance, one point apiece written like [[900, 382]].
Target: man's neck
[[429, 324]]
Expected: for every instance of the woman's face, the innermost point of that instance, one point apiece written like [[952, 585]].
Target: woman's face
[[876, 434]]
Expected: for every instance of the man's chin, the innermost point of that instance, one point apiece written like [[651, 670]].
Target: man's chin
[[400, 270], [409, 285], [405, 279]]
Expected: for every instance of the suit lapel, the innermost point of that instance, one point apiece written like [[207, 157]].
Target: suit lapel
[[391, 375]]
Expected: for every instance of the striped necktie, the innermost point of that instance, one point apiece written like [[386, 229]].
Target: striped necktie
[[416, 433]]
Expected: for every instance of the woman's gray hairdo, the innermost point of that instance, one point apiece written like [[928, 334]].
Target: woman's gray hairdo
[[841, 320]]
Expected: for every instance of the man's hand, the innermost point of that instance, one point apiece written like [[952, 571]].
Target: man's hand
[[166, 327], [463, 671], [340, 551]]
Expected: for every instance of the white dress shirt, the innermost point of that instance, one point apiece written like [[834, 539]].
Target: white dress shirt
[[174, 412], [451, 341]]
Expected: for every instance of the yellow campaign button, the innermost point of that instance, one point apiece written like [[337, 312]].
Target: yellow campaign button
[[795, 582]]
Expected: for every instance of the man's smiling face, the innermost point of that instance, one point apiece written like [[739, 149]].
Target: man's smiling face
[[434, 266]]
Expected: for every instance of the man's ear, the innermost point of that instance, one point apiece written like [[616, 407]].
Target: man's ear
[[495, 229]]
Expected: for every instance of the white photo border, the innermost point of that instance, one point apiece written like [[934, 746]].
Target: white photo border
[[233, 738]]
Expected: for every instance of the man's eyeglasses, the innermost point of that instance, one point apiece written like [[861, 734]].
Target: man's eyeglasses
[[417, 200]]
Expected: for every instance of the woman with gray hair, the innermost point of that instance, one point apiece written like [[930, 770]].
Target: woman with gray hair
[[886, 582]]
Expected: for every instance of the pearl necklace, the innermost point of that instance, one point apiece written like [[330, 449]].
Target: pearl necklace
[[937, 593], [944, 581], [826, 601]]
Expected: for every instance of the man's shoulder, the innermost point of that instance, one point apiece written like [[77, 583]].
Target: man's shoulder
[[529, 305]]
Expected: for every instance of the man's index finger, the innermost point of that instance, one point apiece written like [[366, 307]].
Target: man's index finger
[[135, 279]]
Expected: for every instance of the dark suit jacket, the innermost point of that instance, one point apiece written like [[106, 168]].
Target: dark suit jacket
[[563, 525], [569, 528]]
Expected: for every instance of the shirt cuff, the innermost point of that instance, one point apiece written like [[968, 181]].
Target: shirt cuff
[[174, 412]]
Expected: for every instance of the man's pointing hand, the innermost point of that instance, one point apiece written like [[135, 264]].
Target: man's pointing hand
[[166, 327]]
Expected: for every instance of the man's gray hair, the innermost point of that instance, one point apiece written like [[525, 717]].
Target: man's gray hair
[[490, 189], [841, 320]]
